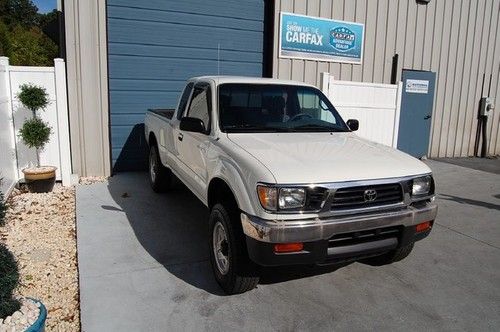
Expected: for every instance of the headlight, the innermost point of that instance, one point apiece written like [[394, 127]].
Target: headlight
[[421, 186], [291, 198], [273, 198]]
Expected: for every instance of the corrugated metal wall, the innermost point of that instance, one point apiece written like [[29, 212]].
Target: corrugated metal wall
[[156, 45], [457, 39]]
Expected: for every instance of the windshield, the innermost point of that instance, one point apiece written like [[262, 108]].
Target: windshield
[[276, 108]]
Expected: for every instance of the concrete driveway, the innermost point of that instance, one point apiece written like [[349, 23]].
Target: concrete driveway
[[143, 262]]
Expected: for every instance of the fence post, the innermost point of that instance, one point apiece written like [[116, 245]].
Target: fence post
[[325, 83], [397, 115], [4, 61], [62, 121]]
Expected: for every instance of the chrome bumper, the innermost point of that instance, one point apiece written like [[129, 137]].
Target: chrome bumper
[[308, 230]]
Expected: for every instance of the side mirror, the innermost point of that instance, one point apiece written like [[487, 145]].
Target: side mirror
[[353, 124], [192, 124]]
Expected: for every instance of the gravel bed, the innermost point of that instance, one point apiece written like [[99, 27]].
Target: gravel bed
[[93, 179], [40, 232]]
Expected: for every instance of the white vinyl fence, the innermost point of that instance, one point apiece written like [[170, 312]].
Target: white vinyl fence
[[8, 164], [13, 153], [376, 106]]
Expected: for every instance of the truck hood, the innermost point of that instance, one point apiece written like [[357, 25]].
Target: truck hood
[[324, 157]]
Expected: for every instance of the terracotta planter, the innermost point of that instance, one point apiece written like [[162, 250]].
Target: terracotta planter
[[40, 179]]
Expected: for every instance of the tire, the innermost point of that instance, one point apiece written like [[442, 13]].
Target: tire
[[160, 177], [239, 275], [392, 256]]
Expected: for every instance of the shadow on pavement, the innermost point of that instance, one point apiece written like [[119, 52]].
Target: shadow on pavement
[[172, 228], [489, 164], [469, 201], [274, 275]]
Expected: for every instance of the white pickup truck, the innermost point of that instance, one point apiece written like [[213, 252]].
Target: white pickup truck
[[286, 179]]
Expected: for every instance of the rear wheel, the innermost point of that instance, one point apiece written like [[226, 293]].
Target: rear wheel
[[233, 270], [160, 177], [392, 256]]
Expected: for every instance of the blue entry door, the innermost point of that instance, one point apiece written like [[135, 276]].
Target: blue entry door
[[416, 112]]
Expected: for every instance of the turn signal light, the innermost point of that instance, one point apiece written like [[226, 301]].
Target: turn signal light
[[423, 226], [268, 196], [288, 247]]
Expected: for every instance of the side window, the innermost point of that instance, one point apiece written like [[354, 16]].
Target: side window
[[184, 100], [200, 105]]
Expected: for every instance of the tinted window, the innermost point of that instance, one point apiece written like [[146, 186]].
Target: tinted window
[[184, 100], [273, 107], [311, 104], [200, 105]]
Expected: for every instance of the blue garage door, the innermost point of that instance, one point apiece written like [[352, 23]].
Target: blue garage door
[[155, 45]]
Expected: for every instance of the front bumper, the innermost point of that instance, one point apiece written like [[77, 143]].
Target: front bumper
[[315, 234]]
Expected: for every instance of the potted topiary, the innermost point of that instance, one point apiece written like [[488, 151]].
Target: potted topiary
[[35, 133]]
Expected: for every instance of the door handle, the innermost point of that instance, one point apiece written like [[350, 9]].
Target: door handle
[[180, 137], [427, 117]]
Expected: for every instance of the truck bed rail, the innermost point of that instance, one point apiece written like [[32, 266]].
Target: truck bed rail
[[163, 112]]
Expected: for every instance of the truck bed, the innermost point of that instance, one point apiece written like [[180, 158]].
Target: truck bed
[[163, 112]]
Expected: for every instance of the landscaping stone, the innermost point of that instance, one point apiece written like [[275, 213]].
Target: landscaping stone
[[19, 320], [92, 179], [40, 232]]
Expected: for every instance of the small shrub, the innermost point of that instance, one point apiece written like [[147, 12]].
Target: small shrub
[[33, 97], [9, 278], [35, 133]]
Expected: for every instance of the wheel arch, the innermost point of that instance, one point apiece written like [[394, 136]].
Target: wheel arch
[[219, 191], [152, 139], [226, 172]]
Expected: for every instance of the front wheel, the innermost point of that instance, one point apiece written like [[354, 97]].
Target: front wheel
[[233, 270]]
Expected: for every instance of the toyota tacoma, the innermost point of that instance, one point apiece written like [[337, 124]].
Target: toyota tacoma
[[286, 180]]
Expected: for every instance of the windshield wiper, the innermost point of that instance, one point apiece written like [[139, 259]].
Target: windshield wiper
[[249, 127], [319, 127]]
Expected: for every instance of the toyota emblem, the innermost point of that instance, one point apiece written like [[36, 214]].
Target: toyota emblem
[[370, 195]]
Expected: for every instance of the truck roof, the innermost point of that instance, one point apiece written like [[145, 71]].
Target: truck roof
[[245, 79]]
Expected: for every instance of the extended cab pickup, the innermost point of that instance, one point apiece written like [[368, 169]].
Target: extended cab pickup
[[286, 179]]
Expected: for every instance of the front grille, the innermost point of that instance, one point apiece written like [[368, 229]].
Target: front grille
[[348, 239], [355, 197], [315, 198]]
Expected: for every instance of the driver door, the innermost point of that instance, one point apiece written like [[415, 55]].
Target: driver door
[[193, 147]]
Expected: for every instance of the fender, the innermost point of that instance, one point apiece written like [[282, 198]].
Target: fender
[[226, 170]]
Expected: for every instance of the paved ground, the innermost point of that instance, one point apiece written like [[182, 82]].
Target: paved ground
[[143, 267], [491, 164]]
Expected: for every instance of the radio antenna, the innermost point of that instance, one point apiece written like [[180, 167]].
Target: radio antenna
[[218, 59]]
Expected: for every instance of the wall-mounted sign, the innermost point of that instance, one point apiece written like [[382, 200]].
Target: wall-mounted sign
[[313, 38], [417, 86]]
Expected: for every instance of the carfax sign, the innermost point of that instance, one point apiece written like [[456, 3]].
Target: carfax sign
[[313, 38]]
